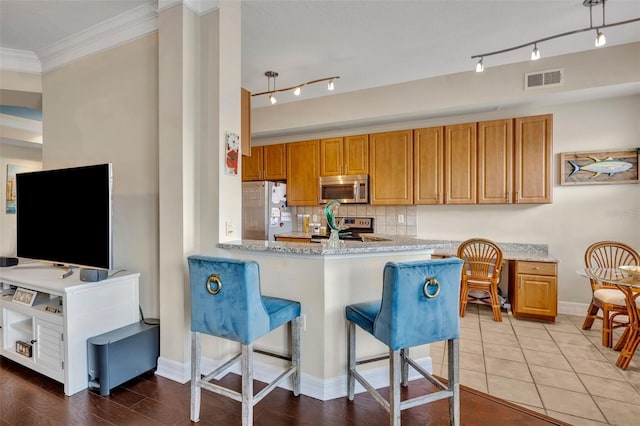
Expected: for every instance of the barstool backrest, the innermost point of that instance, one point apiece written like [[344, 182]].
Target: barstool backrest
[[226, 299], [415, 310]]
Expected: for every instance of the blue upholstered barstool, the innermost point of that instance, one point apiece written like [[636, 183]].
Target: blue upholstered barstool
[[419, 305], [226, 302]]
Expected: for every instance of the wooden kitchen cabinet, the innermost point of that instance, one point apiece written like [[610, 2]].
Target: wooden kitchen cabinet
[[292, 239], [391, 167], [245, 122], [268, 162], [347, 155], [303, 166], [499, 161], [533, 159], [460, 152], [533, 289], [495, 161], [428, 158]]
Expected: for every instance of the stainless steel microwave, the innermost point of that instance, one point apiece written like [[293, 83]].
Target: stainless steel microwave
[[348, 189]]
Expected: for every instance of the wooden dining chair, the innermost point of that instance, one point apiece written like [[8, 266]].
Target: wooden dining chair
[[480, 274], [606, 297]]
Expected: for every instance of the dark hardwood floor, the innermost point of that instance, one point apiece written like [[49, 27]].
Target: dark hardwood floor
[[28, 398]]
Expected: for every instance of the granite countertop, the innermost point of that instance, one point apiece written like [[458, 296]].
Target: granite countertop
[[387, 243], [390, 244], [511, 251]]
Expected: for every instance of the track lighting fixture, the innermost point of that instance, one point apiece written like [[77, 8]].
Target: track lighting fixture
[[297, 89], [535, 53]]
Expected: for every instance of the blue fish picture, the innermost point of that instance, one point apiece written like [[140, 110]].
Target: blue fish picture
[[600, 167], [608, 166]]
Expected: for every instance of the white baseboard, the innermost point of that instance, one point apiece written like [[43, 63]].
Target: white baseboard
[[323, 390], [571, 308]]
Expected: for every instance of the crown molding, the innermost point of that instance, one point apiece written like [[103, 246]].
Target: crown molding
[[128, 26], [19, 61], [200, 7]]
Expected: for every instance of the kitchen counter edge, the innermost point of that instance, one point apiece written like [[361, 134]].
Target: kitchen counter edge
[[512, 251]]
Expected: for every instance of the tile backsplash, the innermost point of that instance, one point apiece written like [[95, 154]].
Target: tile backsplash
[[391, 220]]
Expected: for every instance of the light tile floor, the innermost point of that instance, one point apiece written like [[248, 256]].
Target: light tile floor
[[554, 368]]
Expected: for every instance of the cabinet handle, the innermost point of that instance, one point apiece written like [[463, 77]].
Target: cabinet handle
[[33, 341], [537, 268]]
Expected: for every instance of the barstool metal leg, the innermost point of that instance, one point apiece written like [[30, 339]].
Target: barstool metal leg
[[247, 384], [395, 373], [296, 328], [454, 381], [351, 355], [195, 376]]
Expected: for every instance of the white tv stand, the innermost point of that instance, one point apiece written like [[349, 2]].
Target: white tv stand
[[66, 313]]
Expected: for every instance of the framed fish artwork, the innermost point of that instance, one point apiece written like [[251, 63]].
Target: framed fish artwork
[[599, 167]]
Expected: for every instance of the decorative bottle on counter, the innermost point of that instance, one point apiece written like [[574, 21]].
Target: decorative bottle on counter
[[334, 241]]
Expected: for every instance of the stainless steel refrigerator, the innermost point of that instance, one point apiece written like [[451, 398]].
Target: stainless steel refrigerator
[[264, 210]]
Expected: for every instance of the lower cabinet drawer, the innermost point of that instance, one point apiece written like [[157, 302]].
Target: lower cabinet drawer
[[536, 268]]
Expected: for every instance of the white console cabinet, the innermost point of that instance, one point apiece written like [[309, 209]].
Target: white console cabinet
[[52, 333]]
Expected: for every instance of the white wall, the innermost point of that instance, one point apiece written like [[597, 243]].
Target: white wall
[[104, 108]]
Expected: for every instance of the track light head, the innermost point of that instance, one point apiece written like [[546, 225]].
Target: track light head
[[272, 99], [330, 85], [601, 40], [535, 53], [480, 66], [296, 91]]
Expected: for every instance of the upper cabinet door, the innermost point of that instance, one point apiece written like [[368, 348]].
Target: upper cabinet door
[[533, 159], [331, 157], [245, 122], [460, 163], [356, 155], [252, 165], [495, 161], [275, 162], [303, 165], [391, 165], [427, 165], [344, 156]]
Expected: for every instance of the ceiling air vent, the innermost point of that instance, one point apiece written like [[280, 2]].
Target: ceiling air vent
[[539, 79]]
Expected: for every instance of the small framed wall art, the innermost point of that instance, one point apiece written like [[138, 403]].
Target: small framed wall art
[[232, 152], [599, 167]]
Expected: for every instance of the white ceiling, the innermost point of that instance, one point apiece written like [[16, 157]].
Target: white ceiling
[[368, 43]]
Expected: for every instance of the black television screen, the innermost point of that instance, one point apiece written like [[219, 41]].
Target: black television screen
[[64, 216]]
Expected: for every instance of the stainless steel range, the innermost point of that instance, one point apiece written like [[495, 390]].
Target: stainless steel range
[[356, 226]]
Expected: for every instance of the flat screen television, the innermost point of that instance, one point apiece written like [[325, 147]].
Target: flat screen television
[[64, 216]]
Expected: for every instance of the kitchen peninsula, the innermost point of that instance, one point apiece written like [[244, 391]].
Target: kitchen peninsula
[[324, 281]]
